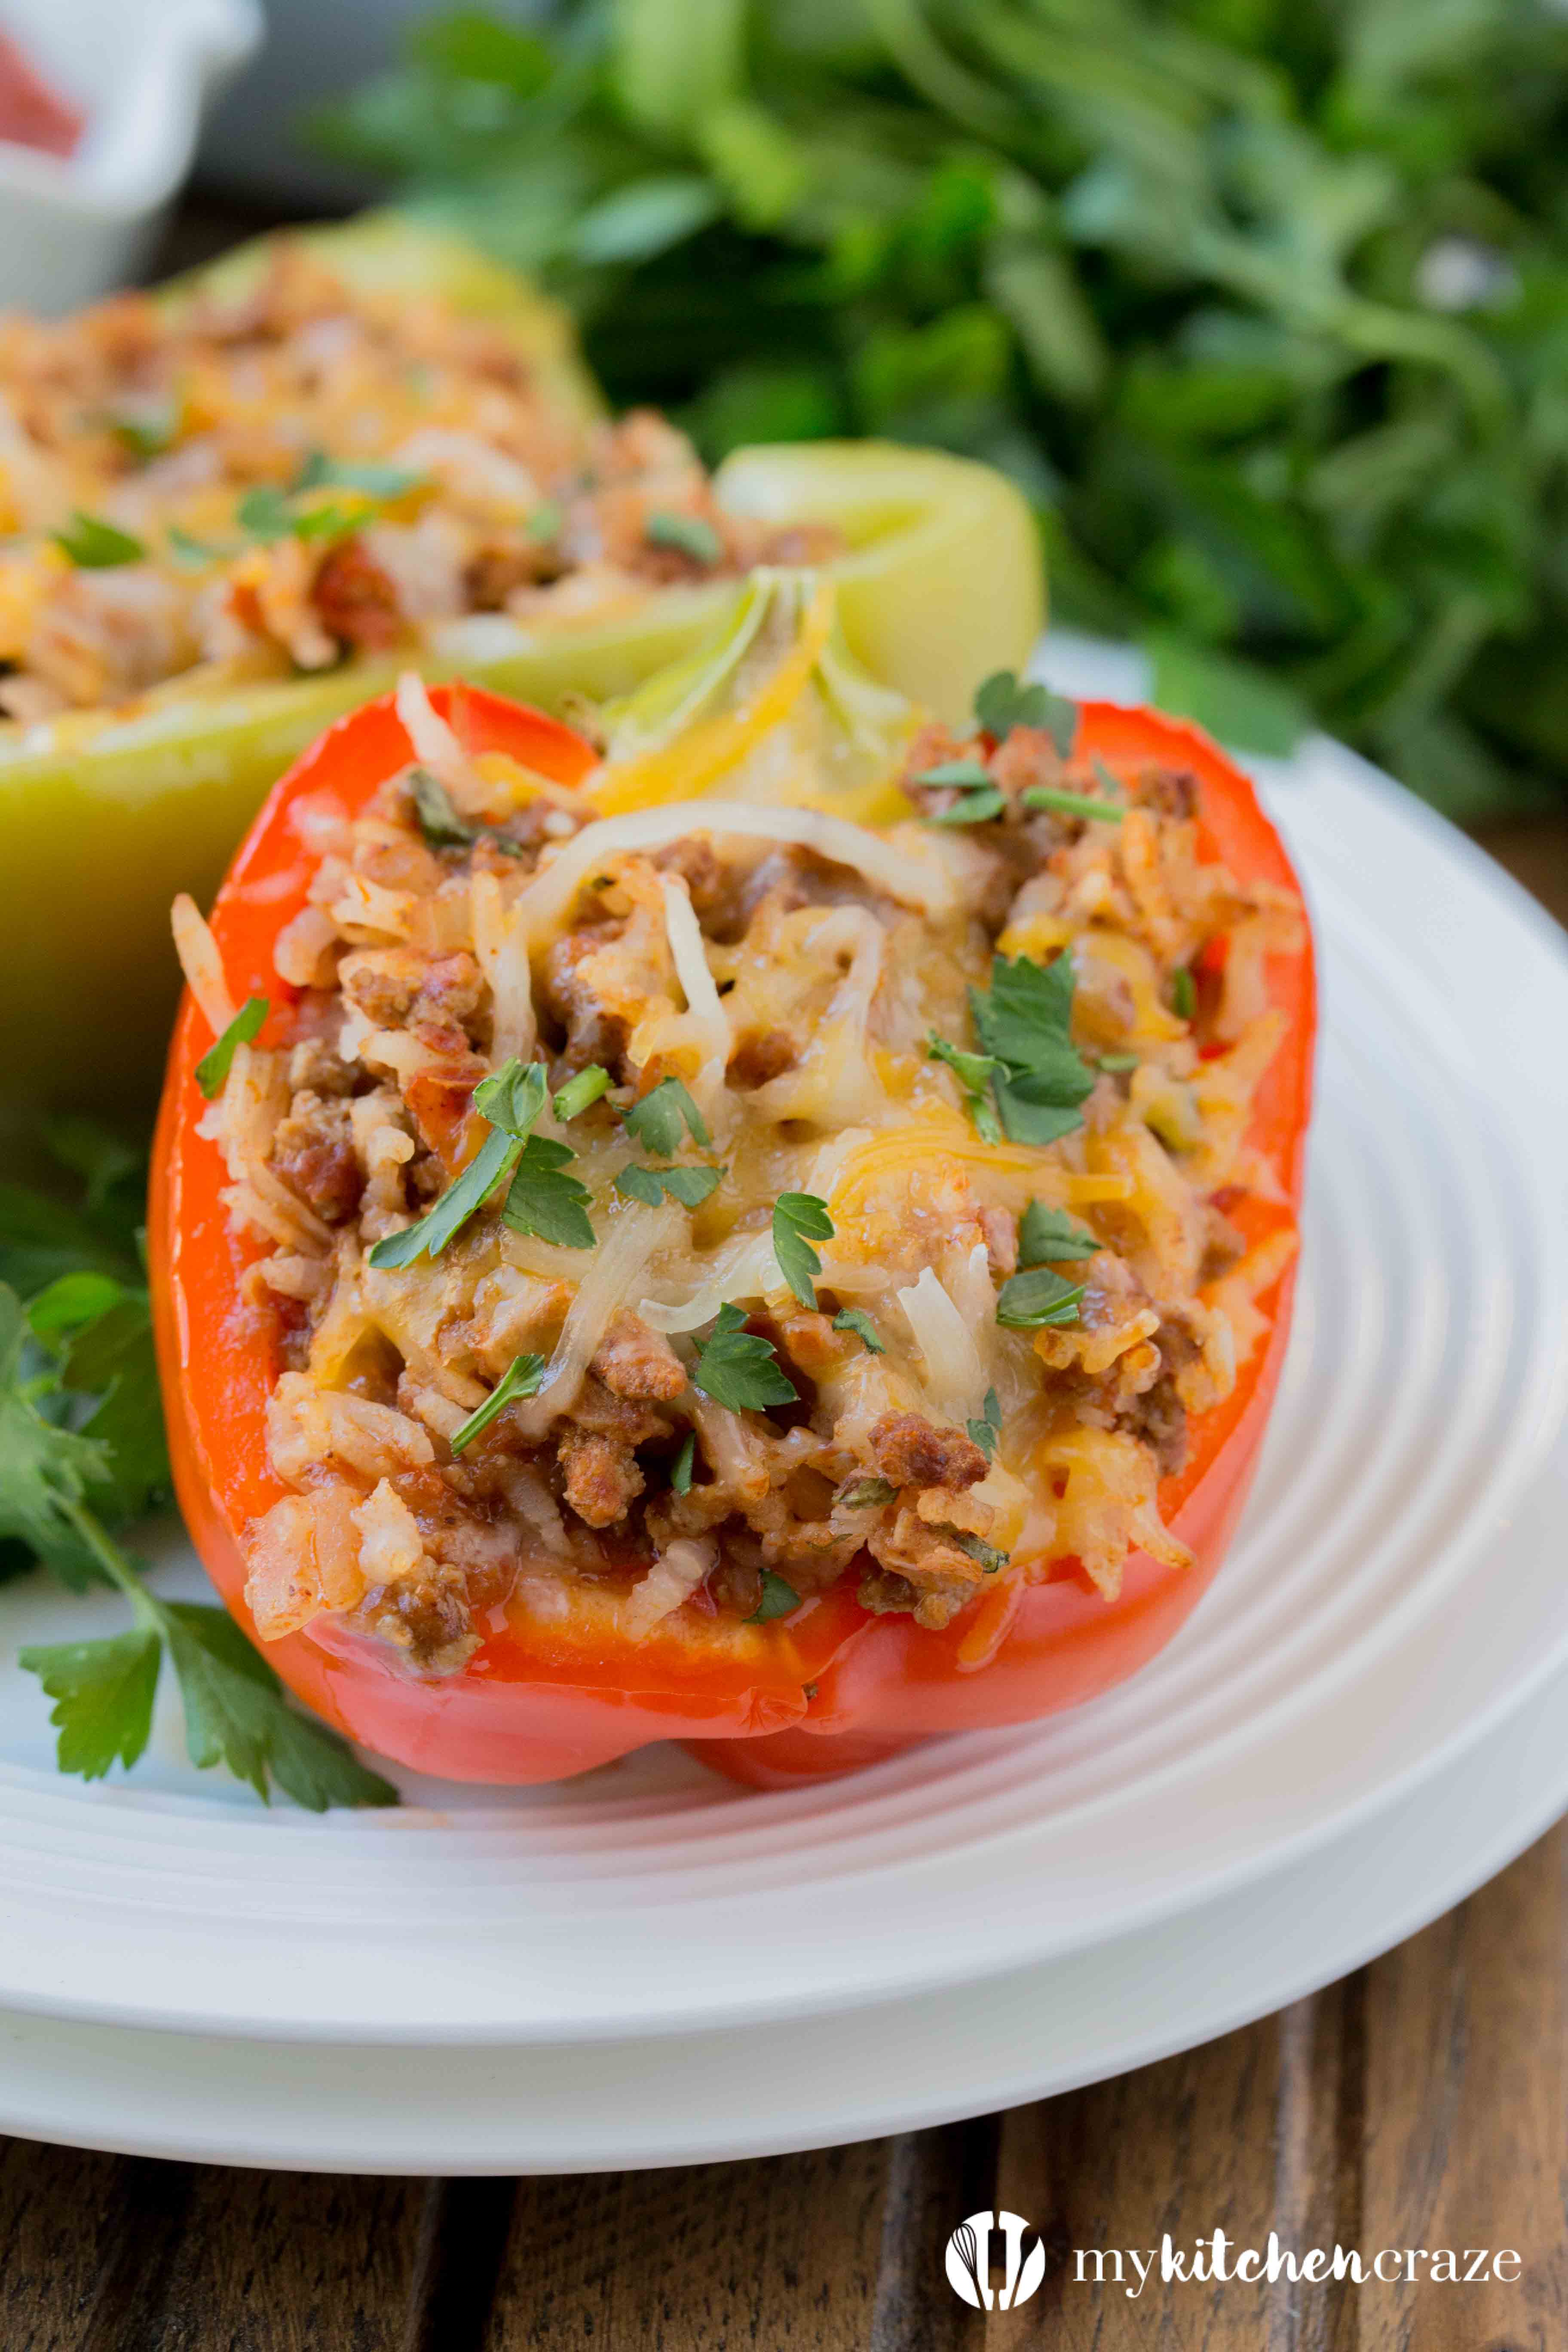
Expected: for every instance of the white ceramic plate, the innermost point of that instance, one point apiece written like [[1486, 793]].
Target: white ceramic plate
[[760, 2090], [1397, 1588]]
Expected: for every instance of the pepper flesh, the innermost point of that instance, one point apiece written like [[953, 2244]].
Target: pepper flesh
[[827, 1689], [940, 583]]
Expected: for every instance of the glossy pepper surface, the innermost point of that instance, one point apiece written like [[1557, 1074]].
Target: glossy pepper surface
[[105, 815], [827, 1689]]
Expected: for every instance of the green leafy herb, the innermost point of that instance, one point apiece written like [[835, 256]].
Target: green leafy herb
[[372, 481], [103, 1691], [544, 1201], [520, 1379], [1184, 993], [984, 1432], [738, 1369], [216, 1063], [439, 822], [512, 1101], [685, 1463], [98, 1331], [689, 1186], [964, 773], [688, 535], [778, 1599], [1046, 796], [656, 1120], [146, 432], [196, 553], [1038, 1298], [974, 1073], [95, 545], [1117, 1063], [577, 1093], [865, 1494], [799, 1220], [1002, 703], [989, 1558], [546, 519], [1046, 1235], [856, 1319], [976, 808], [1025, 1022]]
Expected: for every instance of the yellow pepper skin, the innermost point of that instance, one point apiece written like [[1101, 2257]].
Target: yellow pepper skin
[[105, 815]]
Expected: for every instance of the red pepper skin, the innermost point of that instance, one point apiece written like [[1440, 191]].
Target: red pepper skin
[[534, 1705]]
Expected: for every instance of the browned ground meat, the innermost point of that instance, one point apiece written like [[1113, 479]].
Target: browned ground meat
[[356, 599], [313, 1153], [915, 1453], [634, 1362], [601, 1476], [758, 1058]]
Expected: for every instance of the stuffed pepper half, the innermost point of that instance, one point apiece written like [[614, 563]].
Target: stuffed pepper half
[[637, 1262]]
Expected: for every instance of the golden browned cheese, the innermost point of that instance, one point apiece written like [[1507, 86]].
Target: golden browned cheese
[[793, 971]]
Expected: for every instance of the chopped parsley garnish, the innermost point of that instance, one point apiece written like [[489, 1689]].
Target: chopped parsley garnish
[[103, 1691], [372, 481], [542, 1202], [856, 1319], [978, 798], [865, 1494], [1025, 1022], [1003, 702], [656, 1120], [544, 520], [512, 1101], [1046, 796], [94, 545], [1047, 1234], [688, 535], [736, 1369], [988, 1428], [778, 1599], [520, 1379], [685, 1463], [1184, 993], [989, 1558], [192, 552], [974, 1073], [439, 823], [146, 432], [1037, 1298], [689, 1186], [214, 1064], [799, 1220], [1117, 1063], [577, 1093]]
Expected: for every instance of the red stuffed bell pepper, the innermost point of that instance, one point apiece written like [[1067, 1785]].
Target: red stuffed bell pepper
[[895, 1356]]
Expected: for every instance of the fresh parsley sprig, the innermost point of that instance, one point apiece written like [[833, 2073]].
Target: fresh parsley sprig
[[216, 1062], [1003, 702], [688, 535], [657, 1119], [974, 1073], [544, 1200], [985, 1432], [979, 799], [800, 1219], [1025, 1022], [94, 545], [1038, 1300], [689, 1186], [856, 1319], [779, 1600], [739, 1368], [1046, 1235], [103, 1691], [520, 1379], [511, 1100]]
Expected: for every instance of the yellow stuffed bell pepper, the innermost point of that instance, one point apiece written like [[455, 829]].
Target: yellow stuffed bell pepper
[[266, 489]]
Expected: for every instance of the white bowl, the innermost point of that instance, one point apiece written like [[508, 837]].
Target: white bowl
[[143, 72]]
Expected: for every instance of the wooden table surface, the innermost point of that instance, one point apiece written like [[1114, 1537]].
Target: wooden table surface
[[1422, 2102]]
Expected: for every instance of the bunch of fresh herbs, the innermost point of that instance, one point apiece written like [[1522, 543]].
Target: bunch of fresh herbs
[[1265, 302]]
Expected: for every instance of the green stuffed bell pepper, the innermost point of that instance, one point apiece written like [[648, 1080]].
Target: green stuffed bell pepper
[[332, 456]]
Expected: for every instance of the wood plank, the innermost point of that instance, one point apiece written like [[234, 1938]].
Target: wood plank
[[1242, 2136], [1467, 2114], [1535, 855], [81, 2237], [833, 2252]]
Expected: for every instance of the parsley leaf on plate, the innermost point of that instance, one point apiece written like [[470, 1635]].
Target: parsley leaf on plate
[[103, 1693], [1045, 1235], [689, 1186], [543, 1202], [856, 1319], [236, 1714], [512, 1101], [799, 1220], [520, 1379], [1024, 1021], [656, 1120], [1037, 1298], [1003, 702], [778, 1599], [216, 1062], [738, 1369], [94, 545]]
